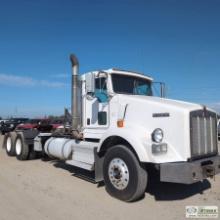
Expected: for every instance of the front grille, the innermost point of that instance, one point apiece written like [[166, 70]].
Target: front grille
[[203, 128]]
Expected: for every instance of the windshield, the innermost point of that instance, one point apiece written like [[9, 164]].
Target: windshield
[[133, 85]]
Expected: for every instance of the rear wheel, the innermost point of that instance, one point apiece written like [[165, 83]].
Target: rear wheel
[[9, 143], [21, 148], [124, 177]]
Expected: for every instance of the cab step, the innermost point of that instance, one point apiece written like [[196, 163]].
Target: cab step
[[80, 164]]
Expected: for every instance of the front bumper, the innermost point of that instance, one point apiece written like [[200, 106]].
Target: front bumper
[[190, 172]]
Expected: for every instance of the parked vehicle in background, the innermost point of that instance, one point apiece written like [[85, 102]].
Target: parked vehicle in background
[[37, 123], [30, 124], [2, 121], [11, 124], [56, 123]]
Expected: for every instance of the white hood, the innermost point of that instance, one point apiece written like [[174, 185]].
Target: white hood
[[161, 102]]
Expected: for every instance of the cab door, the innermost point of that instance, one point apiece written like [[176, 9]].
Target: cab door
[[97, 106]]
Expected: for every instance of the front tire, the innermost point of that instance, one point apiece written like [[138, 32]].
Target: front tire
[[21, 148], [124, 177]]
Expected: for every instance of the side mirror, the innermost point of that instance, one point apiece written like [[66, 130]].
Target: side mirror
[[162, 90], [159, 89], [90, 83]]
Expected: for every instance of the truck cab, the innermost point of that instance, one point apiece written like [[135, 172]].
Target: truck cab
[[117, 102]]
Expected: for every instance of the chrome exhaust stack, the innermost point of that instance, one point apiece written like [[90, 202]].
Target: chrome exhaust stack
[[75, 99]]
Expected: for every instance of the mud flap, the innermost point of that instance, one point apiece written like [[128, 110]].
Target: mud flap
[[98, 166]]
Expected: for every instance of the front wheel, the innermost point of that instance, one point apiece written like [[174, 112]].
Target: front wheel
[[124, 177]]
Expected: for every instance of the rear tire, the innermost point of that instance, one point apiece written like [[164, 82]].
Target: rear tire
[[21, 148], [124, 177], [9, 143]]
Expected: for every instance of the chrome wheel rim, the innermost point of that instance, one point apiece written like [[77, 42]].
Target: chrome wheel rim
[[8, 144], [18, 147], [118, 173]]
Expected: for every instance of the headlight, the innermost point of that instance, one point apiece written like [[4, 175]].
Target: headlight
[[11, 125], [157, 135]]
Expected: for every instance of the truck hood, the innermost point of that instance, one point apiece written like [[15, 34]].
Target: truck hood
[[161, 103]]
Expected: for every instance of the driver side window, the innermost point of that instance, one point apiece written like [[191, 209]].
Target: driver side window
[[101, 89]]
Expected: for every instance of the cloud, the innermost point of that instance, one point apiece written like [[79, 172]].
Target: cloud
[[14, 80]]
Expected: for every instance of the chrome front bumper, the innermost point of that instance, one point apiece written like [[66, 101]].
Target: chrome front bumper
[[190, 172]]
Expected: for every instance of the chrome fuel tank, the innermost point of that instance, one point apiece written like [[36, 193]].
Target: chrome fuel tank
[[59, 147]]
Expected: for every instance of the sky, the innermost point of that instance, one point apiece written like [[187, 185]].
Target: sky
[[174, 41]]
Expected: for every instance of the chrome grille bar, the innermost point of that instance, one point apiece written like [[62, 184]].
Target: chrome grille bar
[[203, 128]]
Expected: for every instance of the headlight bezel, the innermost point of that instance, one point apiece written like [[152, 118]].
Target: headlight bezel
[[157, 135]]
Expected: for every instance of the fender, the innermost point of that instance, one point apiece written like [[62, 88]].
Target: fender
[[134, 138]]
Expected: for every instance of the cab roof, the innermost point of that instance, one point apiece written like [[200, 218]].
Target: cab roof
[[125, 72]]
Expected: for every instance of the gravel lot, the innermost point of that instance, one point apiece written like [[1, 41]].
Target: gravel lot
[[38, 190]]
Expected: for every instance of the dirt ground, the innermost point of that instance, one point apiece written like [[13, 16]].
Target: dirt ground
[[38, 190]]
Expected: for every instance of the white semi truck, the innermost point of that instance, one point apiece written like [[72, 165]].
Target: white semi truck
[[119, 128]]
